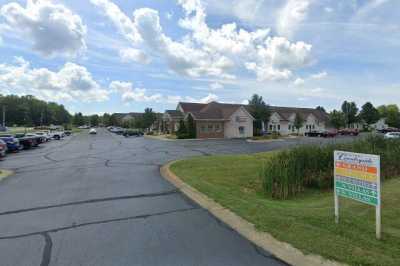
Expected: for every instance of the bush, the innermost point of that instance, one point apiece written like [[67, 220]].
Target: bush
[[290, 172]]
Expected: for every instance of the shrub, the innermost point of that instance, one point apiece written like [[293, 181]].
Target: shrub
[[292, 171]]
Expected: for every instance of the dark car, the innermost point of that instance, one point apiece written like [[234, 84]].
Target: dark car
[[12, 142], [313, 133], [26, 142], [389, 130]]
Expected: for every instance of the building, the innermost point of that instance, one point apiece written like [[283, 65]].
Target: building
[[212, 120], [282, 120], [221, 120]]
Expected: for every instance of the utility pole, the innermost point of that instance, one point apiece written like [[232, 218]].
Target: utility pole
[[4, 116]]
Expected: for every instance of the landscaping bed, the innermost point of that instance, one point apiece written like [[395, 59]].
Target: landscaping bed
[[305, 221]]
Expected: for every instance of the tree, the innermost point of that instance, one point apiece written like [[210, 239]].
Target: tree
[[392, 115], [149, 117], [115, 120], [369, 114], [182, 130], [320, 108], [260, 111], [337, 119], [106, 119], [298, 122], [191, 127], [94, 120], [350, 111], [78, 120]]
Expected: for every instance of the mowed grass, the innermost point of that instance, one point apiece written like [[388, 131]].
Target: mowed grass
[[306, 222], [16, 130]]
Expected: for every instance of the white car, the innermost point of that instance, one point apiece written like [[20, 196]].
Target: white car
[[92, 131], [392, 135]]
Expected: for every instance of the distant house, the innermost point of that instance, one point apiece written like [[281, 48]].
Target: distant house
[[212, 120], [282, 120], [380, 124]]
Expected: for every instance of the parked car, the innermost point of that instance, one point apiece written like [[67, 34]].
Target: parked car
[[348, 132], [313, 133], [92, 131], [389, 129], [47, 137], [68, 132], [58, 135], [3, 148], [131, 132], [38, 138], [392, 135], [26, 142], [11, 141]]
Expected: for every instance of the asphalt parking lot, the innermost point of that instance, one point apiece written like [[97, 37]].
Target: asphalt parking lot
[[100, 200]]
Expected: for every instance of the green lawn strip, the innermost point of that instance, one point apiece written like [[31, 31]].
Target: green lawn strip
[[306, 222], [16, 130]]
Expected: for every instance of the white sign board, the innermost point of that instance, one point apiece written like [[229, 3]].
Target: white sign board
[[357, 176]]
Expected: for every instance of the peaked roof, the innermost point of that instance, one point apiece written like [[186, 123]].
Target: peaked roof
[[210, 111], [286, 112], [174, 113]]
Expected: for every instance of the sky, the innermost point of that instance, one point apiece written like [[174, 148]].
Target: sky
[[97, 56]]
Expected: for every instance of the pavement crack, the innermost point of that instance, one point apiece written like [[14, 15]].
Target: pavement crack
[[74, 226], [46, 256], [148, 195]]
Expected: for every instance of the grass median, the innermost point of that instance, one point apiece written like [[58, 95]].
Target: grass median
[[307, 221]]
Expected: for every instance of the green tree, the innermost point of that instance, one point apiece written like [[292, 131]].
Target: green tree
[[393, 115], [182, 130], [149, 117], [369, 114], [260, 111], [320, 108], [94, 120], [106, 119], [350, 111], [337, 119], [298, 122], [191, 127], [78, 120]]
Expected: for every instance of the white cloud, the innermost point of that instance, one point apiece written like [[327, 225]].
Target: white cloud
[[213, 52], [135, 55], [71, 82], [52, 28], [299, 82], [207, 99], [120, 20], [216, 86], [320, 75], [129, 94], [291, 15]]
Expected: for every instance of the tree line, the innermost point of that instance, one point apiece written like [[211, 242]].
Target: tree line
[[30, 111], [142, 122]]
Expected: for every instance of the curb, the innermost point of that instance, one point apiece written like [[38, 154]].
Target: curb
[[5, 173], [158, 138], [281, 250]]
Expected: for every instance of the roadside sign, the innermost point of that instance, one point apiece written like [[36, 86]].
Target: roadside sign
[[357, 177]]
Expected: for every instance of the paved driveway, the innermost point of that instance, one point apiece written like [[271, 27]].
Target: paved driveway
[[100, 200]]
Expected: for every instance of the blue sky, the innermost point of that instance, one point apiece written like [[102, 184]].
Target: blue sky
[[99, 56]]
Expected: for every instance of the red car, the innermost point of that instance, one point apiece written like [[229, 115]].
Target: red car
[[348, 132]]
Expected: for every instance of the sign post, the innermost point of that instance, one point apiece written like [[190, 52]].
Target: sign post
[[357, 176]]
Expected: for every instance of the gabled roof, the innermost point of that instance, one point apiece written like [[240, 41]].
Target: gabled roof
[[210, 111], [174, 113], [286, 112]]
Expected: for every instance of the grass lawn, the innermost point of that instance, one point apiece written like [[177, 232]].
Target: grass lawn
[[306, 222], [15, 130]]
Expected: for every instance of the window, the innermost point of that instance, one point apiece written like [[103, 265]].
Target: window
[[210, 128], [203, 128], [217, 128], [241, 130], [270, 127], [313, 126], [290, 127], [279, 127]]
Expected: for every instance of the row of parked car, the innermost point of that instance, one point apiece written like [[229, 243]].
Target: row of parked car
[[23, 141], [125, 132], [332, 133]]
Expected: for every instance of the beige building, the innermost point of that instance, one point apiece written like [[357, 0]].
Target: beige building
[[212, 120]]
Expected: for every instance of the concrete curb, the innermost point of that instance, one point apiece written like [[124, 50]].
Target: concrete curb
[[158, 138], [281, 250], [5, 173]]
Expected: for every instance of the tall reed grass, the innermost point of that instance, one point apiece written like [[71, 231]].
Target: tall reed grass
[[290, 172]]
